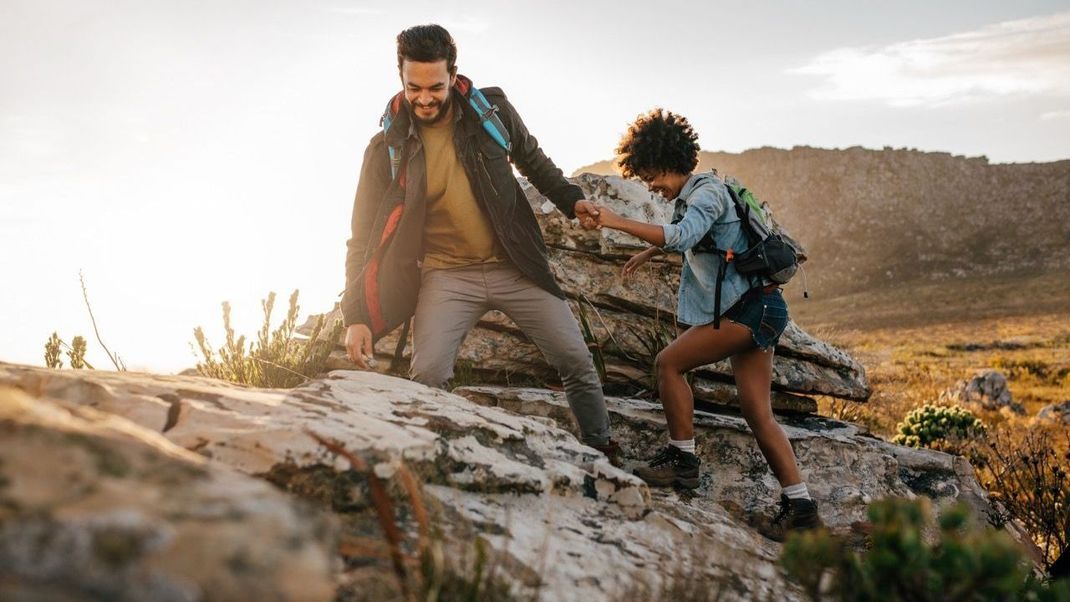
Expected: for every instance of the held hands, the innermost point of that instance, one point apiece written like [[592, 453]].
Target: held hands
[[587, 213], [595, 217]]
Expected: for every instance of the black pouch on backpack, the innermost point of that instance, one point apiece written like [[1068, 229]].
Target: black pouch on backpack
[[772, 258]]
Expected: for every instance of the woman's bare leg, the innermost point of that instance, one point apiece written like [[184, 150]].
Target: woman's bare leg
[[753, 370], [697, 346]]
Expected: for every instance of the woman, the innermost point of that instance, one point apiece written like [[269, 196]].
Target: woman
[[661, 149]]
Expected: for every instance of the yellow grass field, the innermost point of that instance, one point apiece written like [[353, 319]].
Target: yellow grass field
[[917, 341]]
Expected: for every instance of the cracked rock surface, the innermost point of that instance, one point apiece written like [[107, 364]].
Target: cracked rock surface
[[499, 465], [844, 467]]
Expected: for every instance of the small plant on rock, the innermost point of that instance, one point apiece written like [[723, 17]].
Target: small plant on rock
[[53, 349], [277, 359], [77, 353]]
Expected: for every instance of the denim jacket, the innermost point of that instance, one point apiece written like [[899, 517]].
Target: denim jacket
[[704, 203]]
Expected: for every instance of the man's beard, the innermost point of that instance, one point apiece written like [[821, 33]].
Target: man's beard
[[443, 110]]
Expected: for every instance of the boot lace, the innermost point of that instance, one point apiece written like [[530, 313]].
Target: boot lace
[[665, 456]]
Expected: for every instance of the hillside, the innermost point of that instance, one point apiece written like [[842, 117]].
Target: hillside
[[875, 220]]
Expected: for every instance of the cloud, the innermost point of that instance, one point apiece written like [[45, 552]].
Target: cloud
[[1028, 57]]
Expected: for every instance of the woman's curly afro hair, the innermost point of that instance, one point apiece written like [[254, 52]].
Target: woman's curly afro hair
[[658, 141]]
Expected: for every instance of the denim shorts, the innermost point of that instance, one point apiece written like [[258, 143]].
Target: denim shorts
[[764, 314]]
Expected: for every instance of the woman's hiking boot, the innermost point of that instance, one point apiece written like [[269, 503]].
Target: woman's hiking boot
[[671, 467], [794, 515]]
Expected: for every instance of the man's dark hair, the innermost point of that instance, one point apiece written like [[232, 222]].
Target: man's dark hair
[[427, 44], [658, 141]]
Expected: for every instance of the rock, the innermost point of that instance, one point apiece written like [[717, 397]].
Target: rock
[[1056, 412], [93, 506], [998, 345], [723, 394], [630, 321], [502, 466], [629, 198], [1060, 569], [987, 389], [388, 419], [844, 467]]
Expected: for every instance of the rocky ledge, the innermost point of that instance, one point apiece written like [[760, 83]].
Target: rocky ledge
[[160, 485]]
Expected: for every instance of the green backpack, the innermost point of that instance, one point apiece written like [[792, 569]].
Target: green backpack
[[771, 253]]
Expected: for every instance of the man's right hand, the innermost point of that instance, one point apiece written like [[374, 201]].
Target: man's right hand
[[359, 345], [587, 214]]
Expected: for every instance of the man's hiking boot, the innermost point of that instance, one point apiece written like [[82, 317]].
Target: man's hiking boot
[[671, 467], [612, 452], [794, 515]]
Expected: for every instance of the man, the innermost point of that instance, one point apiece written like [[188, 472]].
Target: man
[[442, 230]]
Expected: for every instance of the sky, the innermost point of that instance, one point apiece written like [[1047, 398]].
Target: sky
[[181, 153]]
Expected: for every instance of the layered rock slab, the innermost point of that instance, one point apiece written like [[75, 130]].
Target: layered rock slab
[[844, 467]]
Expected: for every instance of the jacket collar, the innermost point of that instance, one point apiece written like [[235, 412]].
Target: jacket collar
[[696, 180]]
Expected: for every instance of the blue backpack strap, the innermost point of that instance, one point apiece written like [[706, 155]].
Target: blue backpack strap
[[386, 121], [488, 113]]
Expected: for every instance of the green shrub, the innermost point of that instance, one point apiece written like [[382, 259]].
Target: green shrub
[[937, 427], [276, 359], [961, 562]]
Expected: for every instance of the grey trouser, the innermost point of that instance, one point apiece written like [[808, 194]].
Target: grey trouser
[[453, 300]]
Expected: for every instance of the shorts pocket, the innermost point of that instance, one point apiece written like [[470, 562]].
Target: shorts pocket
[[774, 321]]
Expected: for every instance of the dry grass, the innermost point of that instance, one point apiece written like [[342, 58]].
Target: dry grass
[[277, 359], [909, 367], [1025, 467], [913, 305], [917, 342]]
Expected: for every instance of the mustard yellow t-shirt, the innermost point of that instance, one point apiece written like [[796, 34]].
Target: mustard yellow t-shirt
[[457, 232]]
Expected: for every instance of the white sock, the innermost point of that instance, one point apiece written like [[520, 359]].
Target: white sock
[[687, 445], [797, 492]]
